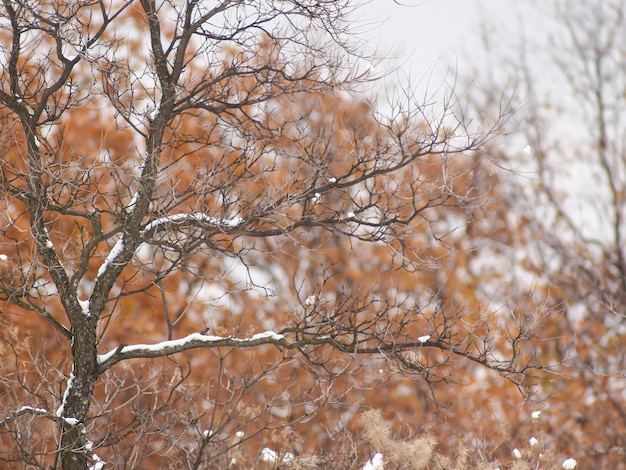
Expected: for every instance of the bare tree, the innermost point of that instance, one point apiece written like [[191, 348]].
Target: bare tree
[[566, 210], [165, 164]]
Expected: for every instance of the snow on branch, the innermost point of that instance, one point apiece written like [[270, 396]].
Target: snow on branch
[[30, 410], [192, 217], [194, 340], [66, 394], [116, 251], [302, 339], [41, 413], [34, 410], [189, 218]]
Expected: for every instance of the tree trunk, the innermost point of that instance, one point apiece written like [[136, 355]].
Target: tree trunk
[[75, 453]]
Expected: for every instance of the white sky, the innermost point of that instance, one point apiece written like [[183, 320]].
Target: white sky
[[432, 29], [431, 40], [434, 36]]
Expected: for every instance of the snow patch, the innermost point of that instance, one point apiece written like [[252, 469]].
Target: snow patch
[[98, 463], [70, 384], [117, 249], [32, 408], [569, 464], [85, 306], [375, 463], [198, 217], [266, 335], [133, 202], [154, 113], [270, 456], [194, 337]]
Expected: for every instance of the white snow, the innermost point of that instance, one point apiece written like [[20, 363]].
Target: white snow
[[265, 335], [310, 301], [351, 215], [131, 205], [517, 454], [3, 257], [71, 420], [535, 415], [29, 109], [288, 458], [316, 198], [32, 408], [117, 249], [533, 442], [332, 180], [234, 222], [85, 306], [193, 337], [154, 113], [423, 339], [269, 456], [98, 462], [375, 463], [240, 434], [570, 464], [49, 244], [70, 384], [199, 217]]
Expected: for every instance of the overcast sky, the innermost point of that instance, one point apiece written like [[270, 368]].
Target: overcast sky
[[434, 39], [424, 36], [435, 28]]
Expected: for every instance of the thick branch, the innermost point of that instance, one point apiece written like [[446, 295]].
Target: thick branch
[[199, 340]]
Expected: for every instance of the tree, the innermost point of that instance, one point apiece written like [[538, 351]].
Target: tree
[[207, 238], [565, 209]]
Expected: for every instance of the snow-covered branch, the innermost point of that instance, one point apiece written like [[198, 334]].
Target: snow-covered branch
[[296, 338], [194, 218], [116, 251], [185, 219], [68, 388], [42, 413], [192, 341]]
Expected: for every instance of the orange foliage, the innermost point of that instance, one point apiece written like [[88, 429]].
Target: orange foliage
[[307, 173]]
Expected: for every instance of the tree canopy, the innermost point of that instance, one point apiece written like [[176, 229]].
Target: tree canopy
[[215, 253]]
